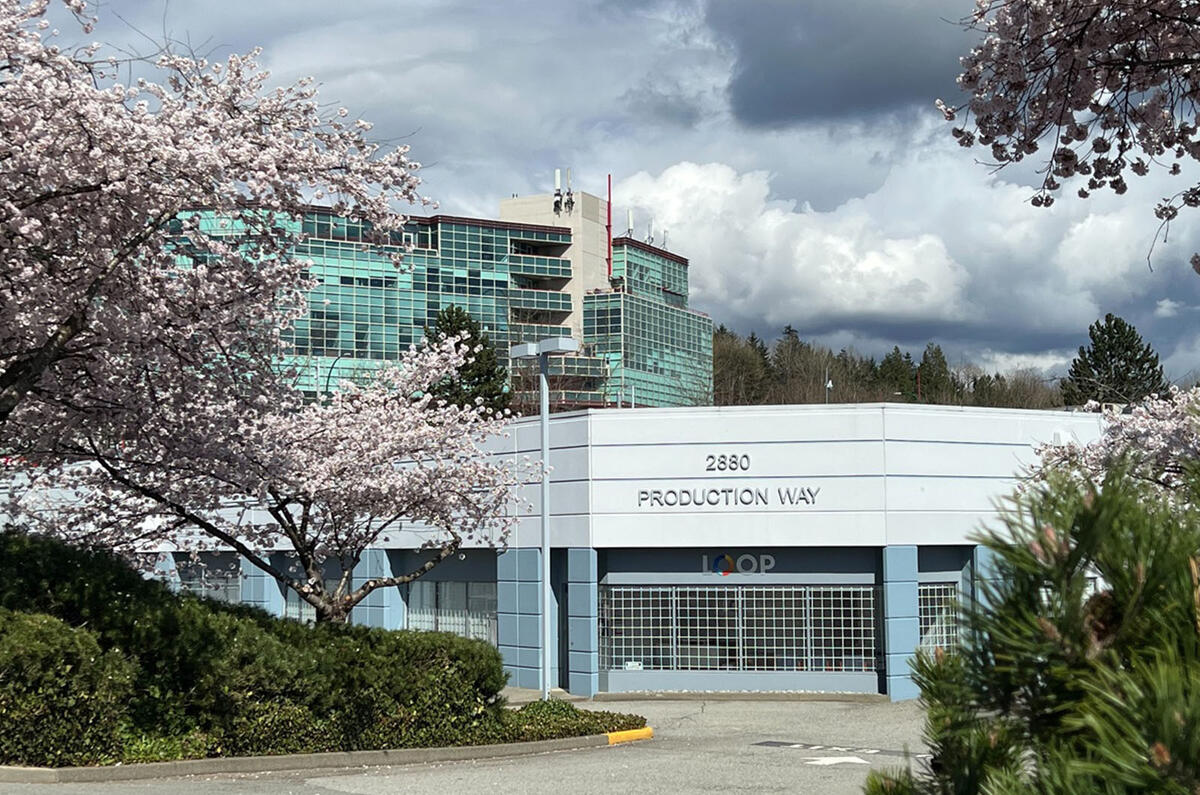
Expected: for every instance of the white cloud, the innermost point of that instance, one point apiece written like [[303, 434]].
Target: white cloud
[[941, 250], [764, 258], [1166, 308], [1002, 362]]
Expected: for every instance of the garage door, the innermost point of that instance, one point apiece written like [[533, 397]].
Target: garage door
[[739, 637]]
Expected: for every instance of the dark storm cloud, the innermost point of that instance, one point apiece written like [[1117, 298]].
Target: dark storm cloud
[[815, 61], [669, 105]]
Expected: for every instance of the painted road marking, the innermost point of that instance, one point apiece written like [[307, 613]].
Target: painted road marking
[[841, 749], [825, 761]]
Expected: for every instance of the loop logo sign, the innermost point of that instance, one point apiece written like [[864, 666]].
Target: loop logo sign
[[725, 564]]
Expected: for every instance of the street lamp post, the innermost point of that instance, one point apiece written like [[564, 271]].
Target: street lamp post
[[542, 350], [329, 375]]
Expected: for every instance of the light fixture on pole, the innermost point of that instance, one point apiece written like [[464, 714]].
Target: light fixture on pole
[[542, 350]]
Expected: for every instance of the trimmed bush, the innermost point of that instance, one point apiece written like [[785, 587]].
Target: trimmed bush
[[278, 727], [205, 678], [198, 659], [547, 720], [62, 700]]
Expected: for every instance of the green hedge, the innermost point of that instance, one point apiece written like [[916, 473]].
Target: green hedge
[[62, 700], [547, 720], [187, 677], [199, 662]]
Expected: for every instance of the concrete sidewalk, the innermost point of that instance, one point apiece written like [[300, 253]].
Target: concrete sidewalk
[[520, 696]]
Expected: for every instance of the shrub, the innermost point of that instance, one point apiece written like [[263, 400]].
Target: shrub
[[215, 679], [201, 662], [62, 700], [143, 747], [547, 720], [278, 727]]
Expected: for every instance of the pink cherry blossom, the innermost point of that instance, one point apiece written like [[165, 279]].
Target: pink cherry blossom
[[100, 189], [147, 270], [259, 472], [1094, 89], [1158, 439]]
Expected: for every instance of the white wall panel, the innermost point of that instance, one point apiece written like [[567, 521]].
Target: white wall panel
[[709, 530], [943, 527], [766, 459], [735, 425], [950, 424], [566, 464], [957, 458], [946, 468], [924, 493], [565, 498], [747, 496], [570, 430], [565, 531]]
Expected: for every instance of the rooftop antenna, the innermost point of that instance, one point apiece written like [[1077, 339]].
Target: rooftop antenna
[[558, 191], [629, 230], [650, 232], [569, 204], [664, 243]]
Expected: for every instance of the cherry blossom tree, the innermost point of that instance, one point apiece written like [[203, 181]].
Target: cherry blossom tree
[[1097, 90], [109, 274], [321, 481], [148, 279], [1157, 441]]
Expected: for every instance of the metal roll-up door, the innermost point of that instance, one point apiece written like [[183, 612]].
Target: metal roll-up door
[[739, 636]]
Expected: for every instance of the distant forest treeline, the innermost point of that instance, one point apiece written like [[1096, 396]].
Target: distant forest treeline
[[748, 371]]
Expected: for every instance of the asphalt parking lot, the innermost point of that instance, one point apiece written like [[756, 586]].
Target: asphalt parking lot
[[699, 746]]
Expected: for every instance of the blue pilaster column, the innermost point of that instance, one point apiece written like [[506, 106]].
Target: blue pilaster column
[[583, 651], [261, 589], [518, 615], [901, 625], [983, 565], [166, 569], [382, 607]]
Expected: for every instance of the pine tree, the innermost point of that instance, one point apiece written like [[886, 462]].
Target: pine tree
[[1063, 683], [739, 371], [897, 375], [1117, 367], [482, 377], [935, 381]]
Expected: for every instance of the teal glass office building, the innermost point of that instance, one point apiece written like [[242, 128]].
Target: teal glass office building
[[533, 273]]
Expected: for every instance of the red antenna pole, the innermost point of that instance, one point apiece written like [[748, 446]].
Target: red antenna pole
[[609, 227]]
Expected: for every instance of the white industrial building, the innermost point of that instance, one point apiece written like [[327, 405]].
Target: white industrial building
[[745, 548]]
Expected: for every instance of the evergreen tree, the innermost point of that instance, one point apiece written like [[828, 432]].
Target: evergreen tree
[[897, 375], [482, 377], [760, 347], [1062, 683], [1117, 367], [935, 381], [739, 371]]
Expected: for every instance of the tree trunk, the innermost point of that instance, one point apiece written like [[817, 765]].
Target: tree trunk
[[330, 614]]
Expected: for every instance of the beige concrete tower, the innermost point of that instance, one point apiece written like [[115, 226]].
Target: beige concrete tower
[[587, 218]]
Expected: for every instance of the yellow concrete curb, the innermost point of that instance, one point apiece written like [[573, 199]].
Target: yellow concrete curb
[[630, 736]]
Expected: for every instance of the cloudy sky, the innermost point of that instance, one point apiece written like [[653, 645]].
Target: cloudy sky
[[790, 147]]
